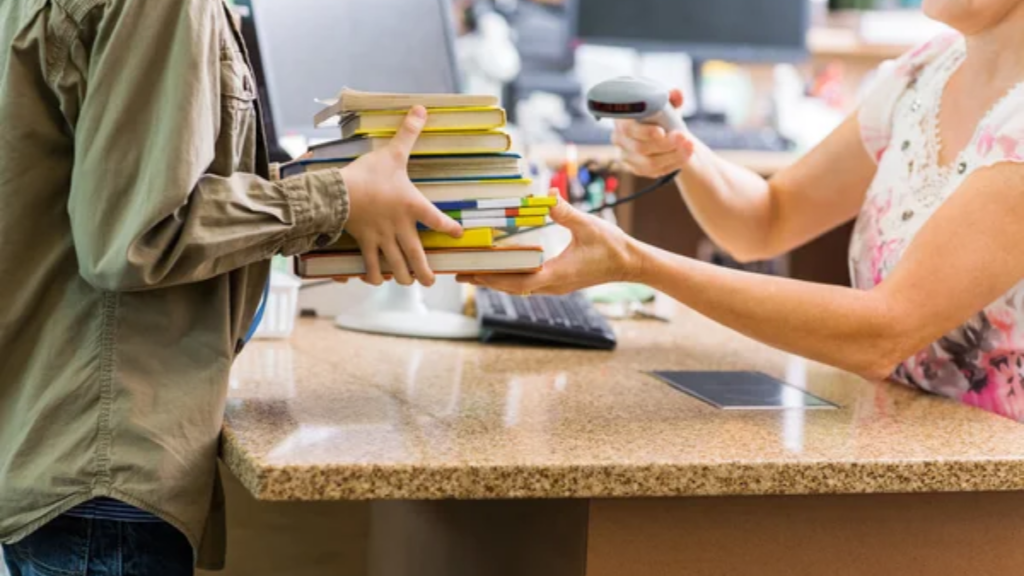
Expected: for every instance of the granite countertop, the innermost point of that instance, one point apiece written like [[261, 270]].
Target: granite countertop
[[335, 415]]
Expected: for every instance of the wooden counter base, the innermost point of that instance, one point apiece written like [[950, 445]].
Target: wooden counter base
[[905, 535]]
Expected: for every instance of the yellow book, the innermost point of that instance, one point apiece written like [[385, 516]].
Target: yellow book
[[541, 201], [432, 240], [350, 100], [387, 122], [431, 143]]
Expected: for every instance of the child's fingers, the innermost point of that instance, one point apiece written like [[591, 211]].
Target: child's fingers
[[432, 218], [371, 256], [404, 140], [396, 261], [416, 257]]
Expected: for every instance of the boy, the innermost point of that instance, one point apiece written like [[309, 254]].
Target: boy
[[136, 226]]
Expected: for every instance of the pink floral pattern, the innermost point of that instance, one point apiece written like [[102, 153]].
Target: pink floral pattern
[[981, 363]]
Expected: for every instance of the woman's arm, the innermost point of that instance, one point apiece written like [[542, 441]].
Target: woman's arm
[[751, 218], [965, 256]]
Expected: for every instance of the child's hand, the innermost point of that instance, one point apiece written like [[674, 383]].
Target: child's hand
[[384, 208]]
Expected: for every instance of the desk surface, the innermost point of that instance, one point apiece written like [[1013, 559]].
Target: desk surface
[[336, 415]]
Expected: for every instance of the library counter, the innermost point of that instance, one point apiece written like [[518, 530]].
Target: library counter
[[339, 415]]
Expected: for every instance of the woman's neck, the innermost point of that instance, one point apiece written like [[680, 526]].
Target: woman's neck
[[994, 55]]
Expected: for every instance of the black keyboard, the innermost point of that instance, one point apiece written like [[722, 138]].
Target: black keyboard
[[717, 136], [569, 320]]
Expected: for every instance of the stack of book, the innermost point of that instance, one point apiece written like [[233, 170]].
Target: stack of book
[[461, 162]]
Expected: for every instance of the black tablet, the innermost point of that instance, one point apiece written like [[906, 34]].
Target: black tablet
[[742, 390]]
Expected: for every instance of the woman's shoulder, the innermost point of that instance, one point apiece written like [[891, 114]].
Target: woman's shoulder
[[915, 61], [893, 79]]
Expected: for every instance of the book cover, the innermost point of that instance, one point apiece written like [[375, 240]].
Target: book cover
[[349, 100], [431, 239], [497, 260], [438, 167], [387, 122], [429, 144]]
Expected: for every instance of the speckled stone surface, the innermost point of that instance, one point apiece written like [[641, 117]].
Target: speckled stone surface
[[335, 415]]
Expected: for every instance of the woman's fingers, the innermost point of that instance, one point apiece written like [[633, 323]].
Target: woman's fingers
[[396, 262], [566, 216], [642, 139], [651, 166], [511, 283], [416, 257], [636, 131], [675, 96], [682, 142]]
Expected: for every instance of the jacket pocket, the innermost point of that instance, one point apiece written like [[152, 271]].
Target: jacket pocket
[[237, 139]]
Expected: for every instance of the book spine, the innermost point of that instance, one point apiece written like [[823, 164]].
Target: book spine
[[499, 213], [498, 203], [531, 201], [504, 222]]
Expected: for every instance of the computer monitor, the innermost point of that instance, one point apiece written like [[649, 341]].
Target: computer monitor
[[734, 30], [310, 49]]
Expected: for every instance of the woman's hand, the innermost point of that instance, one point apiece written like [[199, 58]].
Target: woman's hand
[[599, 253], [648, 150], [384, 208]]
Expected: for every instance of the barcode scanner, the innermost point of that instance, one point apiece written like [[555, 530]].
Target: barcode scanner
[[637, 99]]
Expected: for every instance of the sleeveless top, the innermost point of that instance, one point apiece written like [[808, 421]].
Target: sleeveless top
[[981, 363]]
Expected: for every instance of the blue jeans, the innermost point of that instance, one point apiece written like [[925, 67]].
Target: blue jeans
[[82, 547]]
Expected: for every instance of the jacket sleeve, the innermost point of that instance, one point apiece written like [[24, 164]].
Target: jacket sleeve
[[145, 213]]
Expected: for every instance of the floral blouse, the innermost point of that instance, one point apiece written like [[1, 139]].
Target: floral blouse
[[982, 362]]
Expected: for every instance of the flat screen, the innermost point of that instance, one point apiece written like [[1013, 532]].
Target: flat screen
[[310, 49], [739, 30]]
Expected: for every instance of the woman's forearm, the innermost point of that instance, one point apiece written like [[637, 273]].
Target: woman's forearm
[[755, 219], [843, 327], [732, 204]]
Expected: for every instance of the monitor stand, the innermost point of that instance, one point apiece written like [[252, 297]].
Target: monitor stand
[[400, 311]]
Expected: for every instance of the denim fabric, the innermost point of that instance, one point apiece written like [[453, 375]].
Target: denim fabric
[[71, 546]]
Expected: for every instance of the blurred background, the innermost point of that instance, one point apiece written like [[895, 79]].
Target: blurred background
[[764, 80]]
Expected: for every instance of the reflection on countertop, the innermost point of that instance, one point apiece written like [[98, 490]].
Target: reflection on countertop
[[339, 415]]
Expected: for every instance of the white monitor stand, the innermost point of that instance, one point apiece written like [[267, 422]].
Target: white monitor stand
[[400, 311]]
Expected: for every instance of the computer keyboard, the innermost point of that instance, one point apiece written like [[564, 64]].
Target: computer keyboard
[[569, 320], [716, 136]]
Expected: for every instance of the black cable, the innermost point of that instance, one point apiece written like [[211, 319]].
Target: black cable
[[657, 184]]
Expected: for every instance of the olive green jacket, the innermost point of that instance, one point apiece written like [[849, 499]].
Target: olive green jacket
[[136, 222]]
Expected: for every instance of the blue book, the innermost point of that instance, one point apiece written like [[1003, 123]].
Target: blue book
[[430, 168]]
